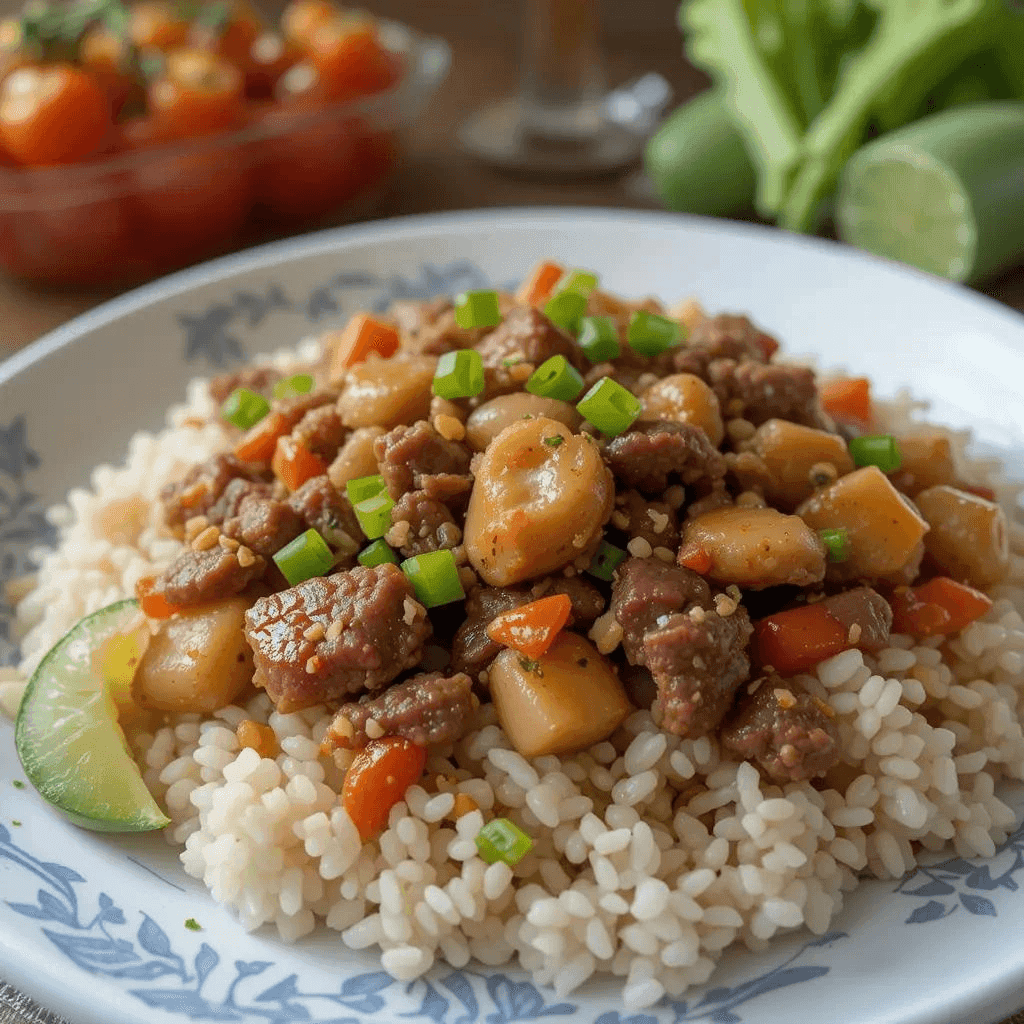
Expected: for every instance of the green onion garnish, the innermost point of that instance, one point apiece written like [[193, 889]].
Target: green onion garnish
[[305, 557], [581, 282], [649, 333], [459, 374], [477, 309], [363, 487], [555, 378], [599, 338], [499, 839], [564, 309], [837, 543], [244, 408], [435, 578], [610, 407], [298, 384], [878, 450], [554, 440], [377, 553], [607, 559], [374, 514], [193, 925]]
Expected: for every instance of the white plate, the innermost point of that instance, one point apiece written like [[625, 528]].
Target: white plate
[[93, 926]]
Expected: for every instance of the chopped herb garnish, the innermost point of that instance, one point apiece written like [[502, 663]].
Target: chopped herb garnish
[[18, 784], [15, 822], [193, 925], [554, 440], [513, 361], [530, 665]]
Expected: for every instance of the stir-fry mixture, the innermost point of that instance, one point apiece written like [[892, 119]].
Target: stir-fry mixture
[[592, 629], [566, 505]]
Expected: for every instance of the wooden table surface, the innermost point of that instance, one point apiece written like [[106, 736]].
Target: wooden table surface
[[640, 36]]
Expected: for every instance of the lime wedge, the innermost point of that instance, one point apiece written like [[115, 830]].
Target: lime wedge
[[944, 194], [67, 733]]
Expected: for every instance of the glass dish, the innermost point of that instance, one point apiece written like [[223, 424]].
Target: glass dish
[[135, 216]]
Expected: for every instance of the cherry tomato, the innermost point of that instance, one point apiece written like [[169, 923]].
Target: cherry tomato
[[106, 56], [13, 53], [189, 200], [157, 25], [199, 93], [271, 56], [349, 59], [301, 17], [228, 28], [57, 114]]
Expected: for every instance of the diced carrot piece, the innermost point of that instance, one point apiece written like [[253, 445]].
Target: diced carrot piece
[[796, 640], [257, 444], [377, 779], [293, 463], [361, 336], [939, 607], [151, 601], [848, 399], [532, 629], [537, 288], [694, 557]]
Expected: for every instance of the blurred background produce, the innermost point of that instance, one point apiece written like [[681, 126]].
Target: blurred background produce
[[799, 86]]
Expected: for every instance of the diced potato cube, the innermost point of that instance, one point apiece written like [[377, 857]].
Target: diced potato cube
[[793, 453], [968, 535]]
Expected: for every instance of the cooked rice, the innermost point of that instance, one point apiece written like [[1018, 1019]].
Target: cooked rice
[[651, 854]]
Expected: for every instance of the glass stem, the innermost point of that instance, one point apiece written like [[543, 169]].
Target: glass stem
[[563, 80]]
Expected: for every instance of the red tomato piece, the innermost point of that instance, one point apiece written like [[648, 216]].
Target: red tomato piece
[[199, 93]]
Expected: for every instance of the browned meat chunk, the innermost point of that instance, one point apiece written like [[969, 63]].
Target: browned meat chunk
[[201, 487], [652, 521], [429, 708], [698, 660], [763, 391], [418, 458], [336, 635], [264, 524], [260, 379], [321, 431], [328, 511], [525, 336], [790, 734], [217, 573], [431, 525], [412, 315], [473, 650], [646, 590], [443, 334], [654, 454], [238, 491], [721, 337], [865, 615]]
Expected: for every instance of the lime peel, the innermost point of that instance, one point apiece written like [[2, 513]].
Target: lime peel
[[67, 733]]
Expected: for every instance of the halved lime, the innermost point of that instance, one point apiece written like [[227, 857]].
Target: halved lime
[[67, 733], [945, 193]]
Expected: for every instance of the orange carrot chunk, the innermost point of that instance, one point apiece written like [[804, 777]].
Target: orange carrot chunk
[[796, 640], [377, 779], [151, 601], [257, 444], [532, 629], [361, 336], [537, 288], [293, 463], [940, 606], [848, 399], [694, 557]]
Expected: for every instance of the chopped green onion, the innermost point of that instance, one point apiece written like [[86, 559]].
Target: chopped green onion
[[582, 282], [555, 378], [599, 338], [554, 440], [193, 925], [435, 578], [649, 333], [477, 309], [298, 384], [244, 408], [377, 553], [610, 407], [363, 487], [305, 557], [374, 514], [499, 839], [837, 543], [878, 450], [607, 559], [459, 374], [564, 309]]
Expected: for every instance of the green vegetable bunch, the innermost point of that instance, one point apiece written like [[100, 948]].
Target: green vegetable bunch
[[801, 84]]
